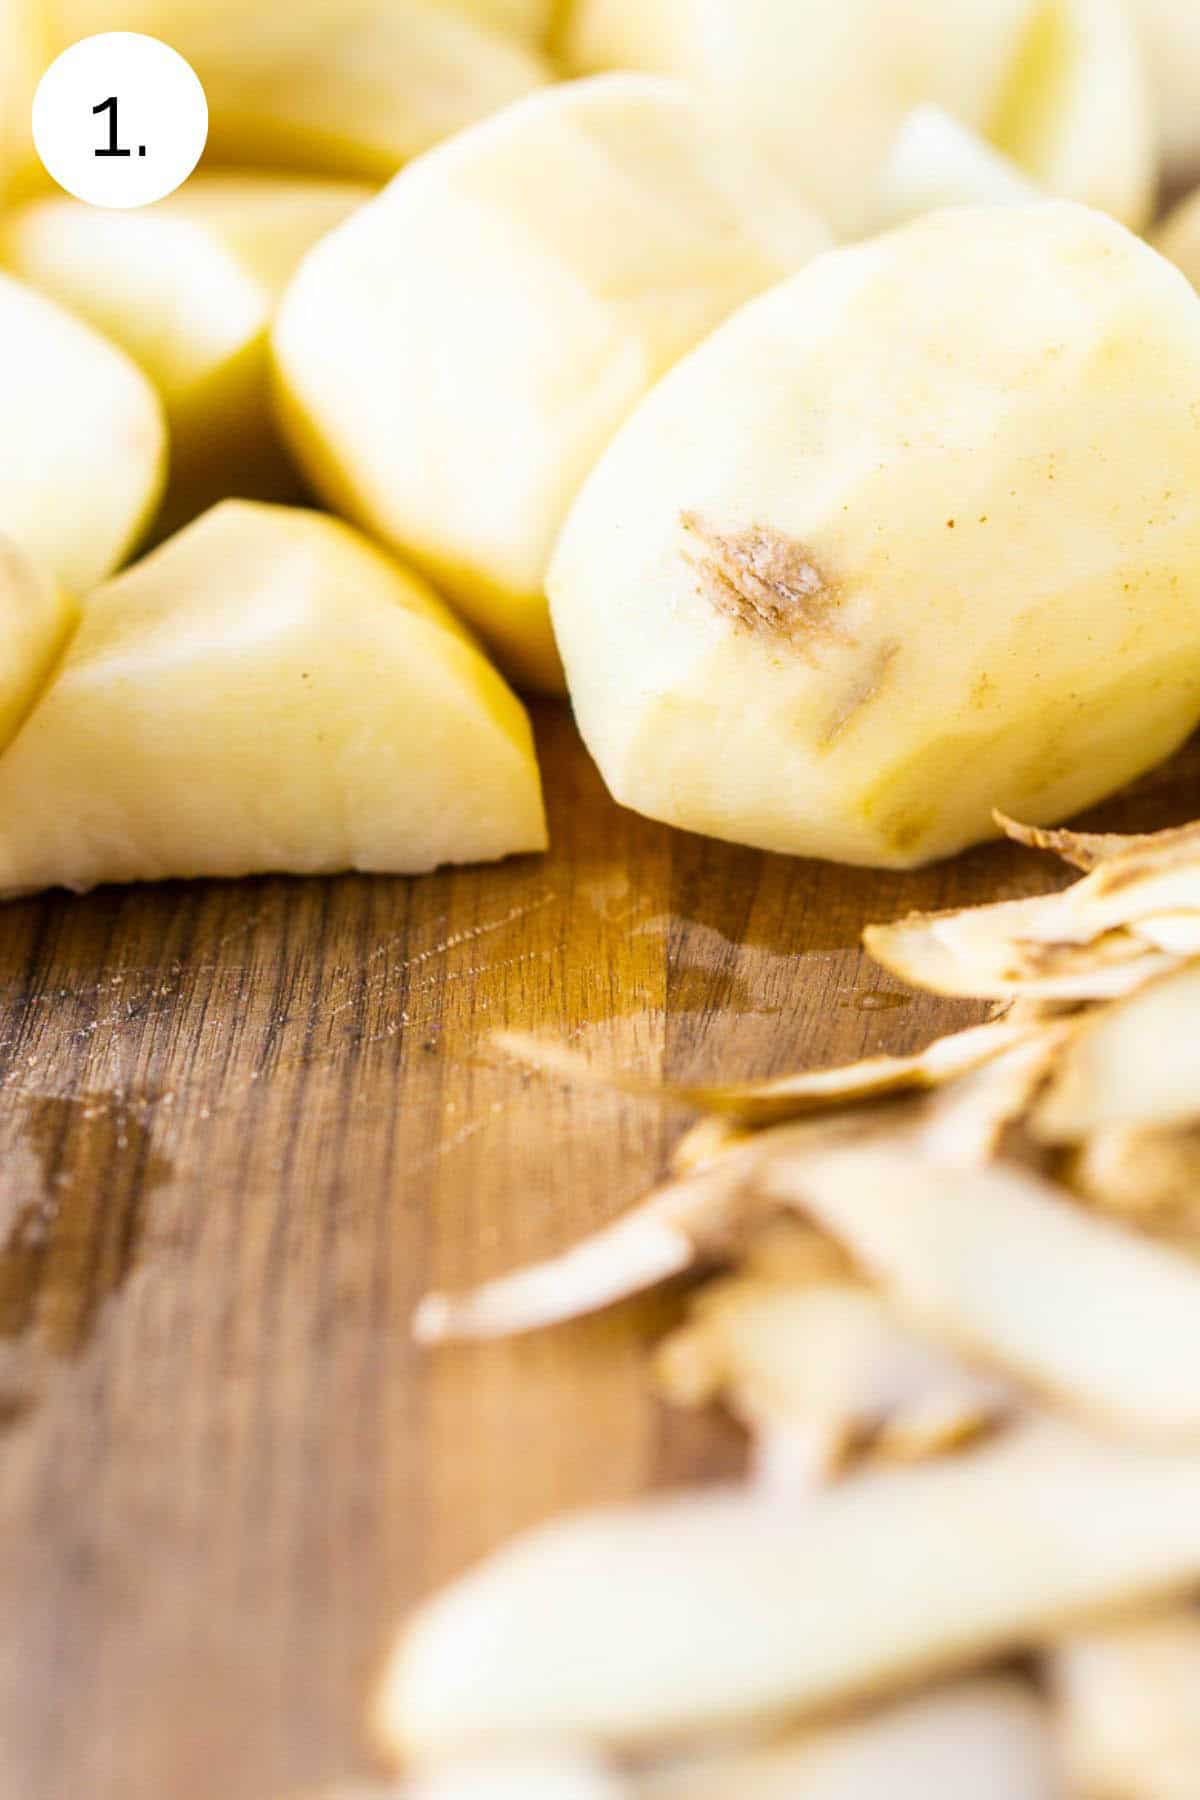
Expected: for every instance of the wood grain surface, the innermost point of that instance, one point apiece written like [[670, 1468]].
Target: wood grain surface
[[243, 1127]]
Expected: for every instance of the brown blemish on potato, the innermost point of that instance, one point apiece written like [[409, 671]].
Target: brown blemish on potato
[[863, 694], [767, 583]]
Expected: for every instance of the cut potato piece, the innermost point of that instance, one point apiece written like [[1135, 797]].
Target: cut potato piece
[[821, 89], [696, 1613], [265, 692], [827, 1365], [912, 576], [188, 288], [508, 301], [335, 87], [1135, 1064], [1076, 111], [997, 1262], [36, 619], [1129, 1709], [986, 1739], [937, 162], [83, 448]]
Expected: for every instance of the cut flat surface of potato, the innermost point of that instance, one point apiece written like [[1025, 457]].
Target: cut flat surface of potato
[[265, 692]]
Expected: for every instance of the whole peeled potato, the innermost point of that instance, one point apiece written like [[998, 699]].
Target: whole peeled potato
[[913, 536]]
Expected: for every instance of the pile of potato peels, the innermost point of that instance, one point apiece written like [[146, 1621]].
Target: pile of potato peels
[[959, 1313]]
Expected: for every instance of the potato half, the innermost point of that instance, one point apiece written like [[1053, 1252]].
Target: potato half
[[265, 692], [914, 536], [454, 359]]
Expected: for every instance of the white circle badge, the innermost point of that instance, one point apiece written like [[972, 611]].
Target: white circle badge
[[120, 119]]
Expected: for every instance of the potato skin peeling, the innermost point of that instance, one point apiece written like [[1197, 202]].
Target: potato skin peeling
[[938, 557]]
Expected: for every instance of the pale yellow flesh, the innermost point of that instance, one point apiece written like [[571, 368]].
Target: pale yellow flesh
[[935, 161], [83, 446], [266, 692], [188, 288], [455, 358], [334, 87], [940, 555], [822, 89], [36, 619], [1170, 34], [527, 20], [24, 52], [1076, 110]]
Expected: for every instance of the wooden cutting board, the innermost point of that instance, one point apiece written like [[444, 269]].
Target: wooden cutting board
[[243, 1127]]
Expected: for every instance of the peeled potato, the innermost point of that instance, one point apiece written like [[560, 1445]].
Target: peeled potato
[[528, 20], [36, 618], [911, 537], [24, 52], [188, 289], [1171, 36], [822, 88], [1076, 113], [83, 444], [265, 692], [935, 162], [454, 359], [336, 87]]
